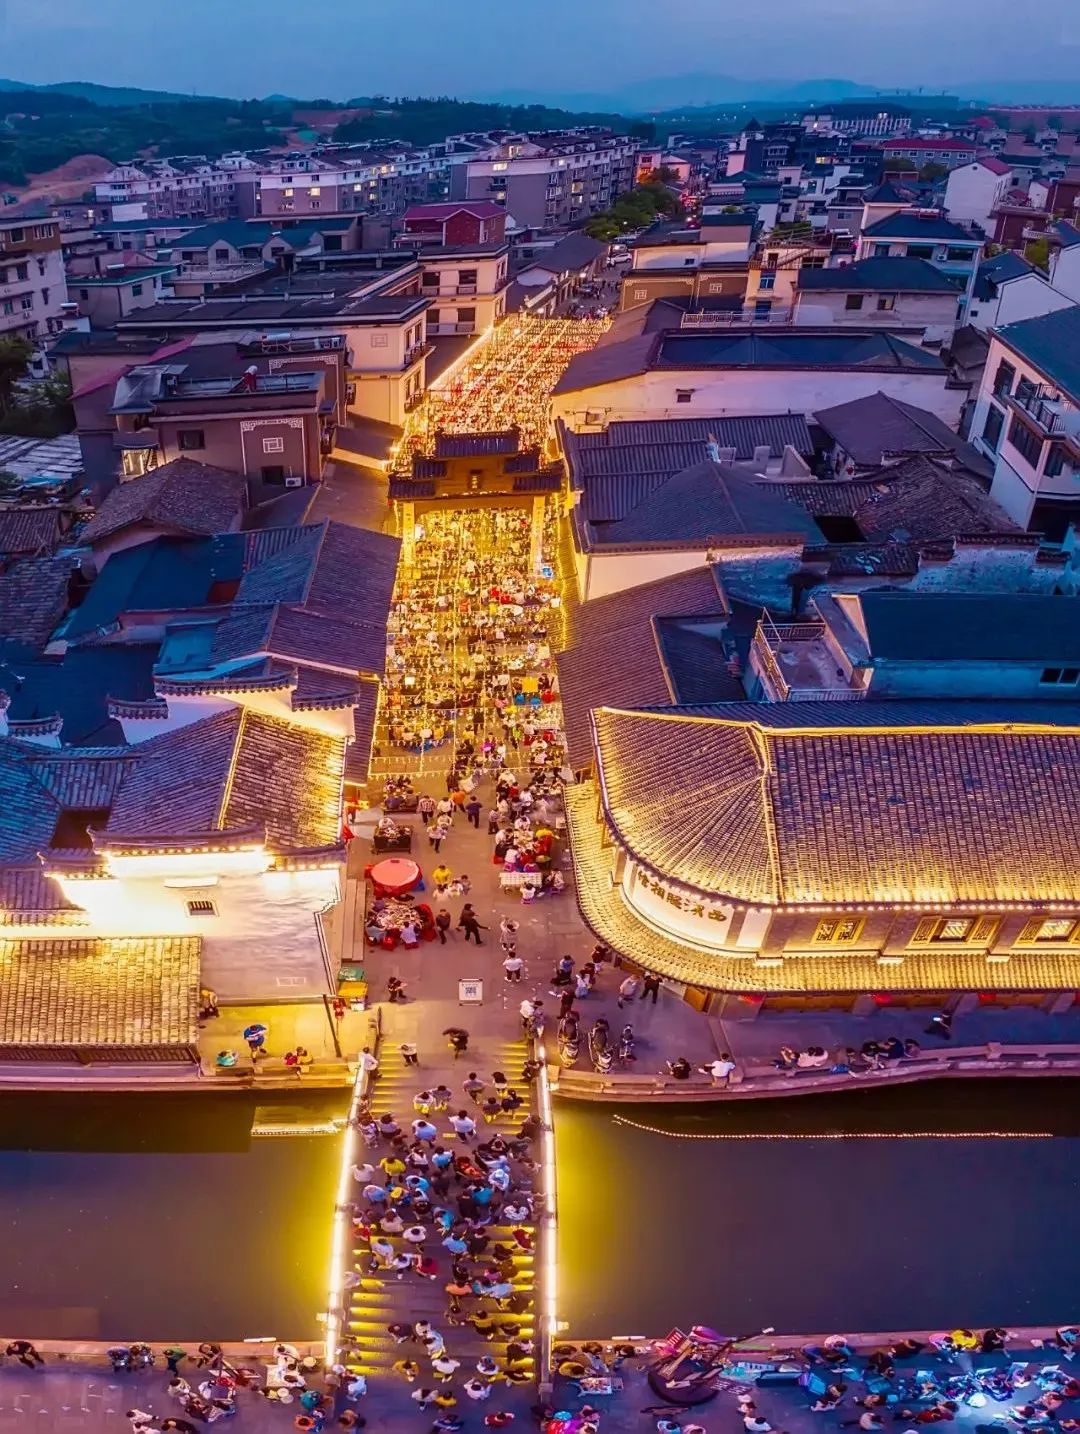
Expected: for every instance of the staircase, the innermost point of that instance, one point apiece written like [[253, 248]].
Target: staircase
[[382, 1299]]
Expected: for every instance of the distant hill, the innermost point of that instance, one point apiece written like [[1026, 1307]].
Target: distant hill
[[111, 95]]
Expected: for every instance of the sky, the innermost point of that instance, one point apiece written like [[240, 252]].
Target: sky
[[468, 48]]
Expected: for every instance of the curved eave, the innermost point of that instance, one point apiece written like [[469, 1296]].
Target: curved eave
[[148, 843], [612, 921]]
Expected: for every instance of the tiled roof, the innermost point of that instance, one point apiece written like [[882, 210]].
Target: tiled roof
[[139, 992], [336, 568], [999, 270], [289, 779], [319, 637], [743, 433], [1036, 628], [795, 348], [468, 445], [27, 895], [479, 208], [234, 770], [702, 504], [608, 916], [917, 500], [33, 598], [870, 429], [615, 658], [1052, 344], [358, 755], [178, 782], [846, 816], [906, 276], [180, 497], [912, 224], [28, 531], [576, 251]]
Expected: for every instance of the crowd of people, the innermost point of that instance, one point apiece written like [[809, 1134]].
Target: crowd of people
[[506, 384]]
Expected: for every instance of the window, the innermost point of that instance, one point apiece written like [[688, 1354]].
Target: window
[[762, 308], [853, 301], [886, 303], [466, 316], [380, 341], [22, 273], [1026, 441], [273, 445], [27, 302], [221, 255], [83, 294], [1049, 929], [767, 281], [273, 473], [1060, 676], [1055, 461], [958, 256], [995, 422], [201, 907], [466, 276], [920, 251], [1025, 390], [287, 193], [881, 251], [684, 395], [136, 290], [937, 929], [315, 191], [1003, 379], [189, 439], [838, 933]]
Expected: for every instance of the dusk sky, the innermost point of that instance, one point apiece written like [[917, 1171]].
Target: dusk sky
[[479, 47]]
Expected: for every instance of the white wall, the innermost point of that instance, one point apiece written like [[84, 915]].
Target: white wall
[[933, 314], [262, 944], [1065, 272], [1025, 298], [972, 192], [746, 392]]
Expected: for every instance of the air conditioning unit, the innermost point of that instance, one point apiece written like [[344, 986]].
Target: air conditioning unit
[[295, 480]]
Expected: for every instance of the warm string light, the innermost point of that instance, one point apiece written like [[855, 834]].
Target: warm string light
[[342, 1224], [843, 1134]]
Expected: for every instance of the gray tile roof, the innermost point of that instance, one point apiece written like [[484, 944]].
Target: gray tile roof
[[846, 815], [1051, 343], [1032, 628], [29, 532], [465, 445], [999, 270], [33, 598], [870, 429], [358, 755], [617, 659], [100, 993], [901, 275], [743, 433], [920, 227], [705, 503], [178, 783], [576, 251], [180, 497]]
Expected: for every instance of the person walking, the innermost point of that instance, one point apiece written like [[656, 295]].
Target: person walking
[[628, 990], [473, 808], [458, 1039], [409, 1053], [468, 923], [442, 876], [464, 1126], [442, 924], [436, 835], [650, 987], [426, 809], [513, 965], [941, 1025], [395, 989], [473, 1087]]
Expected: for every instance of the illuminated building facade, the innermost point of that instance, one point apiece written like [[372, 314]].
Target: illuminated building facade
[[796, 855]]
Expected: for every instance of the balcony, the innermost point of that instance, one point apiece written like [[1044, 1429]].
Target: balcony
[[796, 664], [1045, 407], [442, 330]]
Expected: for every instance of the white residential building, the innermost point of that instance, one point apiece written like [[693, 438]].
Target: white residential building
[[975, 190], [1027, 421]]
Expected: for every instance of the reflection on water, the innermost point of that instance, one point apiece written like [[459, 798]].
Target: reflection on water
[[158, 1217], [822, 1234]]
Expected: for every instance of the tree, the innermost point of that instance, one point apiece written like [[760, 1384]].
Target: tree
[[1037, 252], [1053, 122], [14, 356], [643, 129], [933, 171], [893, 162], [1030, 134]]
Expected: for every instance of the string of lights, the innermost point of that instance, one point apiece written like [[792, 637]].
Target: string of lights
[[839, 1134]]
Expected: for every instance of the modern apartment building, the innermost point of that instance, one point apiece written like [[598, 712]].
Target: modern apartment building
[[550, 181], [33, 288], [175, 188]]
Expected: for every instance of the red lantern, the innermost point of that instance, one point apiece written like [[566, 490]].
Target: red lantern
[[881, 998]]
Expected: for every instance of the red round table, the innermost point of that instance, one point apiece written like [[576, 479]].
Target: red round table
[[395, 875]]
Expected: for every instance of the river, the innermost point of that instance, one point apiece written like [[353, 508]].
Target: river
[[854, 1228], [160, 1217]]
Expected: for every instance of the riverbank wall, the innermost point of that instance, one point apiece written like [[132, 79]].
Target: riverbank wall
[[761, 1080]]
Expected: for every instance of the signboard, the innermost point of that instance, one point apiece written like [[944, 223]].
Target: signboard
[[470, 992]]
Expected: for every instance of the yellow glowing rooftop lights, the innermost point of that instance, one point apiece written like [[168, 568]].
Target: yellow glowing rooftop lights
[[339, 1250]]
